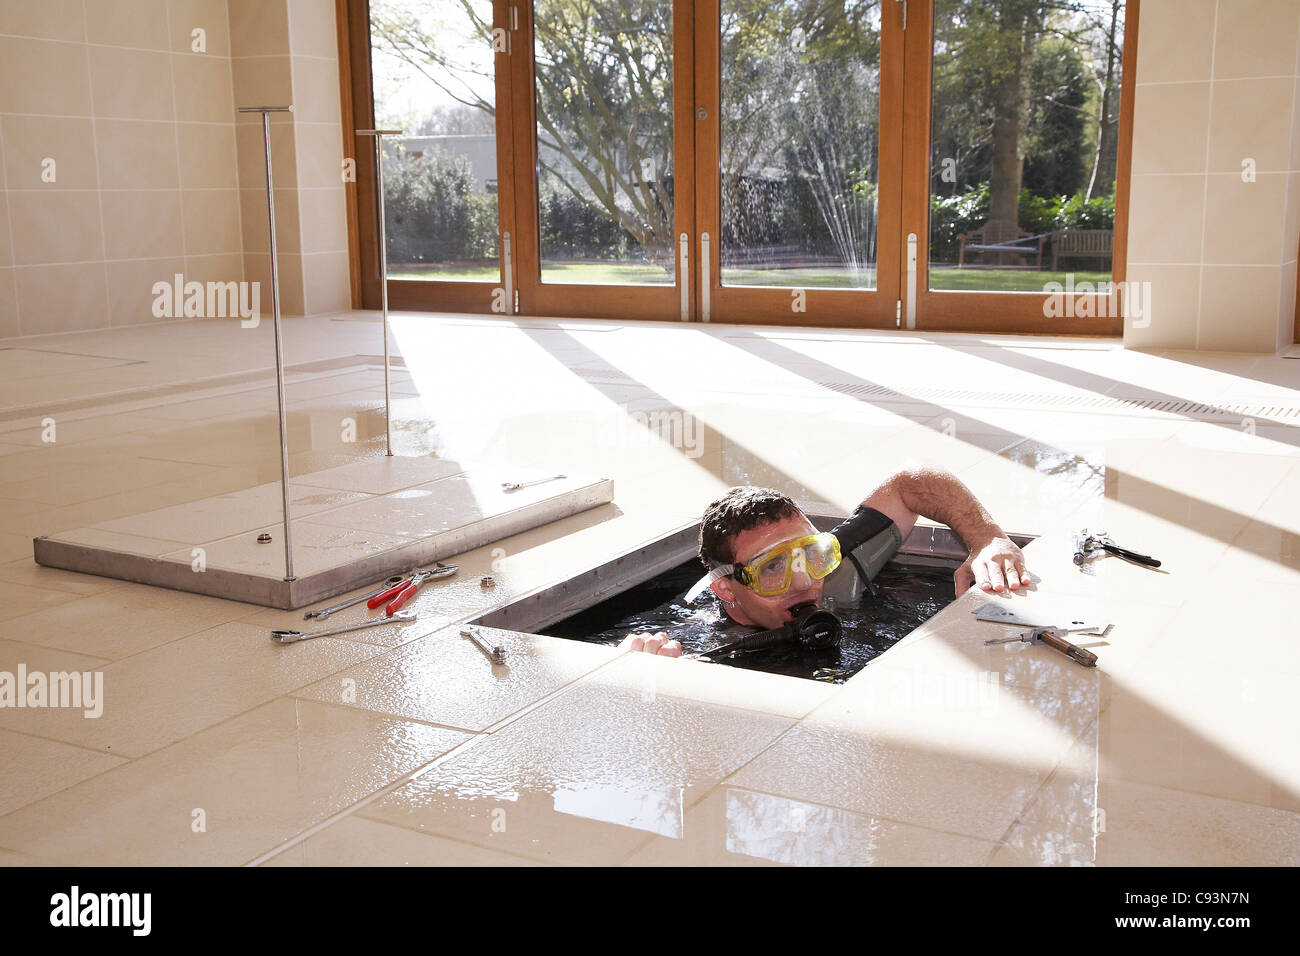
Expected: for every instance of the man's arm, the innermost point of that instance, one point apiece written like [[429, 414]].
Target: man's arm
[[995, 563]]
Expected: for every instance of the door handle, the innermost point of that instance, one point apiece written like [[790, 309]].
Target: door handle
[[704, 277], [683, 274], [911, 280]]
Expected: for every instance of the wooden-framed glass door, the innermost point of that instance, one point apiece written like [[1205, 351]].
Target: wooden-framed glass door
[[604, 137], [754, 161], [439, 72], [798, 161], [1018, 127]]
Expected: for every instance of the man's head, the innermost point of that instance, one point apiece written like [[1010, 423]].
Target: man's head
[[742, 525]]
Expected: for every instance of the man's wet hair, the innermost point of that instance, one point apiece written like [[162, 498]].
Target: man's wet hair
[[740, 509]]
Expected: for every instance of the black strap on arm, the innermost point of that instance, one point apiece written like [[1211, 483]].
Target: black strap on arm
[[860, 527]]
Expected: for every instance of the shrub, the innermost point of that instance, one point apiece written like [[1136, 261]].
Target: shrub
[[433, 214]]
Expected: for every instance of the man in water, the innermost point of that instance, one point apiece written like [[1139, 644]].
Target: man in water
[[765, 557]]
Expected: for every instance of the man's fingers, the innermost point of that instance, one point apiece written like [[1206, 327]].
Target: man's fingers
[[1013, 574], [996, 578], [981, 574], [652, 644]]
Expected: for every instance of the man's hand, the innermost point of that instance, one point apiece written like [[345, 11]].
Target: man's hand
[[653, 644], [996, 566]]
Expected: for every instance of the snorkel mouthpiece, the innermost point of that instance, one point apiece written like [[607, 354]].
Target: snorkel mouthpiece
[[811, 627], [814, 627]]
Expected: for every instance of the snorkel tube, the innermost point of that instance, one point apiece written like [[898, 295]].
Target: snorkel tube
[[811, 627]]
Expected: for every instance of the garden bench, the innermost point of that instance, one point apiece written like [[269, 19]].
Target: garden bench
[[1001, 238], [1081, 243]]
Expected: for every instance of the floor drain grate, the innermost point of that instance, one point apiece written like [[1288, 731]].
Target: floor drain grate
[[1197, 411]]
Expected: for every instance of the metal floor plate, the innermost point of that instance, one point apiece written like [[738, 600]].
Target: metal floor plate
[[351, 526]]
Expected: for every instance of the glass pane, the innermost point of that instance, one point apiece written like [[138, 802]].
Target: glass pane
[[604, 78], [1024, 128], [800, 132], [433, 77]]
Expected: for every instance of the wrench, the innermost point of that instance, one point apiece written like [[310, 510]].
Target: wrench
[[516, 485], [497, 655], [286, 636], [327, 611]]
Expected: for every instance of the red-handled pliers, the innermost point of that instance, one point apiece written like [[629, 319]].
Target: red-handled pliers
[[403, 591]]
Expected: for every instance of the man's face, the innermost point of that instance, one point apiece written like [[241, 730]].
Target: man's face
[[750, 607]]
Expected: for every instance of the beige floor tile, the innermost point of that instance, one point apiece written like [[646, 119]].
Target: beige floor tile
[[225, 515], [190, 684], [14, 546], [61, 486], [379, 476], [36, 768], [651, 675], [956, 640], [955, 752], [1084, 816], [583, 779], [72, 431], [19, 599], [737, 827], [26, 571], [124, 621], [258, 780], [1184, 722], [315, 548], [1150, 826], [99, 538], [1061, 823], [1266, 552], [444, 679], [355, 841], [47, 659]]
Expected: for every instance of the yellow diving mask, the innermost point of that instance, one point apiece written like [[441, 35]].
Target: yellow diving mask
[[771, 572]]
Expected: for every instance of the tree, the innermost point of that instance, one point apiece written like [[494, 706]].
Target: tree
[[800, 121], [1055, 147], [993, 88], [604, 87], [1103, 169]]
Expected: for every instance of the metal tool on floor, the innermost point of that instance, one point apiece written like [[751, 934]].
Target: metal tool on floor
[[494, 653], [288, 636], [343, 605], [393, 598], [1000, 613], [1086, 543], [516, 485], [1053, 637]]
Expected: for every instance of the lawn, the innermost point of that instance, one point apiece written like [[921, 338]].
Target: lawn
[[628, 273]]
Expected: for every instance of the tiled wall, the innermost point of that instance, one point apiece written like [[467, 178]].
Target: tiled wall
[[287, 51], [149, 155], [1218, 84]]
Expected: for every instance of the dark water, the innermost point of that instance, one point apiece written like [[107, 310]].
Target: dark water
[[906, 596]]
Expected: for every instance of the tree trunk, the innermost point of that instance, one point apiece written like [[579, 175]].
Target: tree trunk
[[1103, 167], [1017, 33]]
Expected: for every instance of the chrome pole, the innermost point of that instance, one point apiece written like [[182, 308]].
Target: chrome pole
[[275, 313], [379, 135]]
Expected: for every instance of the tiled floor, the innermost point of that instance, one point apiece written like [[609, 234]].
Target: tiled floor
[[401, 744]]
